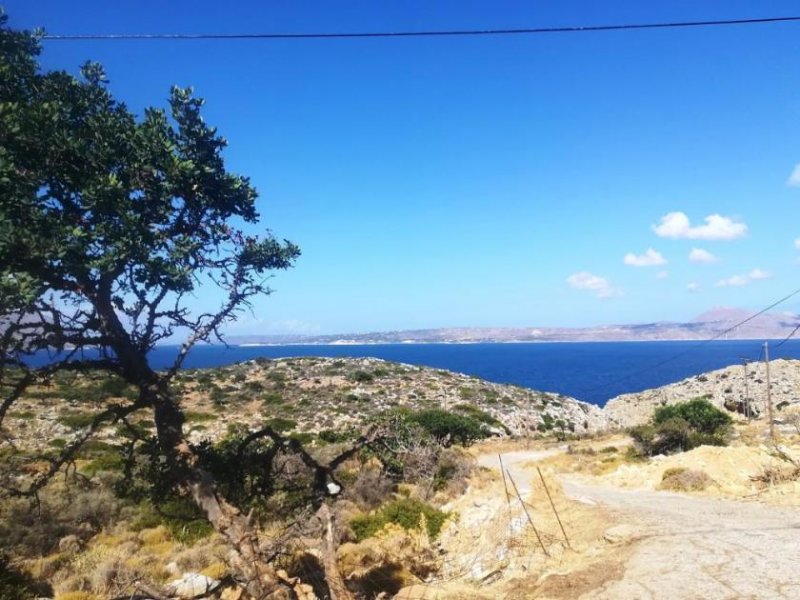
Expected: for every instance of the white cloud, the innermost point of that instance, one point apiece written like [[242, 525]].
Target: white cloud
[[693, 286], [734, 281], [794, 177], [651, 258], [600, 286], [662, 275], [757, 274], [740, 280], [676, 225], [797, 243], [698, 255]]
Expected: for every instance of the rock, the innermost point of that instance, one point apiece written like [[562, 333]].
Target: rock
[[190, 585], [70, 543], [172, 568], [231, 593], [727, 388], [620, 534], [413, 592]]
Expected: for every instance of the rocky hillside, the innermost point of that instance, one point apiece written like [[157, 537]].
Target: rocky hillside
[[307, 396], [726, 388]]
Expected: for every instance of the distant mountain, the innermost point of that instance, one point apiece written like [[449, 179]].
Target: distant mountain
[[704, 326]]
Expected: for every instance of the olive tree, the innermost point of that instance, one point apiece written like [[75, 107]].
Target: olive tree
[[109, 222]]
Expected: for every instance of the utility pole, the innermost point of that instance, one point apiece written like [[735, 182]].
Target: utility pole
[[769, 393]]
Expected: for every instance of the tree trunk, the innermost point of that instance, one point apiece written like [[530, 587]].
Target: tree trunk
[[333, 577], [258, 577], [253, 572]]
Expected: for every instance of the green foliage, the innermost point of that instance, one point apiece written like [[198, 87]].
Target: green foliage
[[281, 425], [449, 428], [406, 512], [362, 376], [193, 416], [113, 213], [683, 426], [76, 420], [332, 436], [185, 522], [217, 396], [699, 413]]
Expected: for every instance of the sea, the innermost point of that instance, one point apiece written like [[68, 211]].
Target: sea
[[589, 371]]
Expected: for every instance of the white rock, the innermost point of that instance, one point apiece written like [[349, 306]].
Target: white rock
[[191, 585], [619, 534]]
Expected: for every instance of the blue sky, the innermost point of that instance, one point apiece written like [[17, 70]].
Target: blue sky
[[494, 181]]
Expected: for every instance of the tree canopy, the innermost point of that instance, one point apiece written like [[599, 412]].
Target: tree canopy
[[109, 222]]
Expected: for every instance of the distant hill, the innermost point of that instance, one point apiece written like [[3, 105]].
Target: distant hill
[[704, 326]]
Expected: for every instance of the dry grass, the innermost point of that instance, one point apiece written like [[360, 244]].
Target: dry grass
[[681, 479], [776, 474]]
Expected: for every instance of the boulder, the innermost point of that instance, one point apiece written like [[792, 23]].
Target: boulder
[[620, 534], [191, 585], [70, 543]]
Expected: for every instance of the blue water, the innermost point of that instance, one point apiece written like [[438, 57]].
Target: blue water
[[590, 371]]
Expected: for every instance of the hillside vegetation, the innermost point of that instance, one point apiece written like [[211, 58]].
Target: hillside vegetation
[[314, 398]]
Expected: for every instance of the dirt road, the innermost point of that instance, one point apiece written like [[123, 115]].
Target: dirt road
[[688, 547]]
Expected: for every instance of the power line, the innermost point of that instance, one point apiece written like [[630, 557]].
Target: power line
[[697, 345], [788, 337], [398, 34]]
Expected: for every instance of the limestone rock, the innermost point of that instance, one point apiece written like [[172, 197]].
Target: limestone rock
[[620, 534], [191, 585], [70, 543]]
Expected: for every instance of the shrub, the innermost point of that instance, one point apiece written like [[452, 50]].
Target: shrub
[[76, 420], [453, 468], [193, 416], [369, 487], [681, 479], [333, 436], [449, 428], [405, 512], [362, 377], [681, 427], [699, 413], [281, 425], [15, 585], [28, 530]]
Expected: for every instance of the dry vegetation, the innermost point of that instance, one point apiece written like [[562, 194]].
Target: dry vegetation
[[426, 522]]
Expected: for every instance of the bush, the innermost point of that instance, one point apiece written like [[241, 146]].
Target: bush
[[680, 479], [76, 420], [281, 425], [369, 487], [405, 512], [699, 413], [449, 428], [681, 427], [362, 377], [15, 585]]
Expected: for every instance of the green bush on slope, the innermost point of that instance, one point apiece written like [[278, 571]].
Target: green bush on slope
[[683, 426]]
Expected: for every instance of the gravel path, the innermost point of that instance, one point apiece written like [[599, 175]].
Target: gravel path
[[520, 464], [700, 548]]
